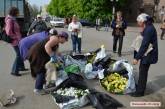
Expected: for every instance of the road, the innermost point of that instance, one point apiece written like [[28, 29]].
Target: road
[[92, 39]]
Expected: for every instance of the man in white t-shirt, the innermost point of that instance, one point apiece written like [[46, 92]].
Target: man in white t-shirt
[[75, 28]]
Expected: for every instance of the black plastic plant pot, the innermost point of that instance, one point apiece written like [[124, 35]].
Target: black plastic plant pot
[[79, 57]]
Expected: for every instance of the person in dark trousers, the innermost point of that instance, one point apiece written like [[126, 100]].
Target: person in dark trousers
[[149, 37], [163, 30], [40, 53], [12, 29], [118, 25], [37, 26], [106, 24], [98, 23]]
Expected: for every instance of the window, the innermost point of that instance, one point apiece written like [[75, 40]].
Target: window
[[7, 6], [2, 8], [14, 3], [21, 7]]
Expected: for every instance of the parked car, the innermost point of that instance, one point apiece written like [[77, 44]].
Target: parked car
[[58, 22], [86, 23]]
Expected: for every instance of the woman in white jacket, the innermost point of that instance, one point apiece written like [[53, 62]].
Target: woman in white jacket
[[75, 28]]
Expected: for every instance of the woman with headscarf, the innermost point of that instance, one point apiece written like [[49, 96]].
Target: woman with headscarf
[[40, 54], [149, 35]]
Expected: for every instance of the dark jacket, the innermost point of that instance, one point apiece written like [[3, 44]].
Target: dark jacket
[[123, 27], [38, 26], [38, 57], [149, 37]]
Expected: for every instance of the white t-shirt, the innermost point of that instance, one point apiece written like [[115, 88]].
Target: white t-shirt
[[76, 25]]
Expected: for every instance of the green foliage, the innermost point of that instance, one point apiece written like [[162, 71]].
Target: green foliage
[[85, 9]]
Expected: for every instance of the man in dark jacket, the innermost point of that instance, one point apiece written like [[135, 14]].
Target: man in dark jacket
[[37, 26], [149, 37]]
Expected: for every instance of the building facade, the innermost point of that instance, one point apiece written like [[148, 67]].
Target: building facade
[[151, 7]]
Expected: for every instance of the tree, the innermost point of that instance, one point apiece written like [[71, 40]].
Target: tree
[[85, 9], [35, 10]]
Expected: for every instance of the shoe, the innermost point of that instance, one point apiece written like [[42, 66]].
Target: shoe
[[23, 69], [40, 92], [49, 86], [119, 55], [114, 51], [135, 94], [73, 53], [15, 74]]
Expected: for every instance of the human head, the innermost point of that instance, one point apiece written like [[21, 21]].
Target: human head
[[63, 37], [74, 18], [141, 19], [119, 14], [53, 32], [14, 12], [39, 17]]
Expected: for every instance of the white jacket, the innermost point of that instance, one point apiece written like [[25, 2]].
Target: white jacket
[[73, 26]]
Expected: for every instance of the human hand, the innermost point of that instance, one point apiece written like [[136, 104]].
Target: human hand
[[135, 62], [117, 26], [53, 59], [27, 34]]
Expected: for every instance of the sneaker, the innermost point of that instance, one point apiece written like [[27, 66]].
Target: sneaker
[[135, 94], [49, 86], [16, 74], [23, 69], [73, 53], [40, 92], [119, 55]]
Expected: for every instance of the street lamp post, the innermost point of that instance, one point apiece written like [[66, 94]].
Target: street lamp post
[[113, 8]]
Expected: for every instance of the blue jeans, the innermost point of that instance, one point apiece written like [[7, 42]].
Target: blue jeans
[[106, 27], [40, 80], [76, 41], [18, 63]]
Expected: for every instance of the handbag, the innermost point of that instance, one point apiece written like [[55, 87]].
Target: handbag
[[5, 37]]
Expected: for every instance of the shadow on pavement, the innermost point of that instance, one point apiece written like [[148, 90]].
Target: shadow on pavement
[[155, 85]]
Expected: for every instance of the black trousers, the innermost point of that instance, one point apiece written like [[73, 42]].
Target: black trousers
[[115, 40], [162, 34], [143, 74]]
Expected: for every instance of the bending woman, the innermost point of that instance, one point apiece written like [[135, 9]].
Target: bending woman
[[40, 54]]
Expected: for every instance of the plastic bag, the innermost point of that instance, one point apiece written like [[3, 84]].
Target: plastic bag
[[72, 69], [61, 77], [101, 54], [120, 65], [8, 98], [89, 74], [69, 61], [75, 103]]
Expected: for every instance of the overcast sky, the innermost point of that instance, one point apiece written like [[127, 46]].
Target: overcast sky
[[39, 2]]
